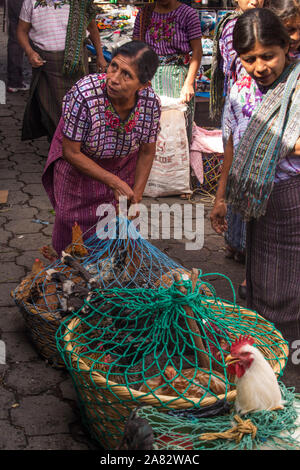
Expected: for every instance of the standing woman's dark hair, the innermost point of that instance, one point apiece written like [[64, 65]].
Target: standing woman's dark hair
[[289, 13], [145, 58], [285, 9], [262, 25]]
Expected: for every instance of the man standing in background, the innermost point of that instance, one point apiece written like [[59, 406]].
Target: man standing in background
[[15, 53]]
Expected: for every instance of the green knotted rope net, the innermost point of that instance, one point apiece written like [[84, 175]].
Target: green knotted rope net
[[277, 430], [163, 348]]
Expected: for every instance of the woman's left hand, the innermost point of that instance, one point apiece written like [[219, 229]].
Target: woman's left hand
[[134, 207], [101, 64], [187, 93], [217, 217]]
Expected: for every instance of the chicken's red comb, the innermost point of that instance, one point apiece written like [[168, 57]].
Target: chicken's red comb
[[241, 341]]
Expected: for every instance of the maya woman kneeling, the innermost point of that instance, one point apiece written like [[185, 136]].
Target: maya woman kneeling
[[104, 145]]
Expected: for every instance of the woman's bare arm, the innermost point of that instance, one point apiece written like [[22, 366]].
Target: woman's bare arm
[[218, 213], [73, 155], [95, 37], [143, 168], [188, 90]]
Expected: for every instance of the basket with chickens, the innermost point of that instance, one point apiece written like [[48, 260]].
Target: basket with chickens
[[164, 347], [52, 291]]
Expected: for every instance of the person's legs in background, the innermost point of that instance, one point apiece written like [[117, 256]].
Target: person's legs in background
[[15, 54]]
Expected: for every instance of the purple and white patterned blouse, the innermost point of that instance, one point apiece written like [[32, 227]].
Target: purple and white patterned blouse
[[170, 33], [295, 55], [90, 118], [244, 97], [231, 64]]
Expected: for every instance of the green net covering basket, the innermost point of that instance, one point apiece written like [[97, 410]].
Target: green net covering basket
[[214, 430], [163, 348]]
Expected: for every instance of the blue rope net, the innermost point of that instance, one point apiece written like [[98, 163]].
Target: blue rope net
[[114, 256]]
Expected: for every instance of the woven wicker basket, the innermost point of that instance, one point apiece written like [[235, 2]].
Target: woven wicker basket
[[41, 326], [106, 405], [42, 323]]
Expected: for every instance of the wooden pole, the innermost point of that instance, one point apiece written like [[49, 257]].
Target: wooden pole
[[202, 355]]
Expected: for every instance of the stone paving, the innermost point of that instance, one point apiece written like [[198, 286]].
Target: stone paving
[[38, 405]]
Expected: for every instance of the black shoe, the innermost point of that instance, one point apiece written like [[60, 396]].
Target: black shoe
[[242, 291]]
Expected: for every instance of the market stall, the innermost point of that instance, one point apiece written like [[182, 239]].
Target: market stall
[[116, 19]]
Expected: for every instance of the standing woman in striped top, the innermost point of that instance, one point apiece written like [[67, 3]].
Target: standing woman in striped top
[[173, 30], [52, 34], [261, 171], [226, 66]]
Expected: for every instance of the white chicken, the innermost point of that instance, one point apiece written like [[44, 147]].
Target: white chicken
[[256, 383]]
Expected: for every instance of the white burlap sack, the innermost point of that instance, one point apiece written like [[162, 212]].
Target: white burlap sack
[[170, 173]]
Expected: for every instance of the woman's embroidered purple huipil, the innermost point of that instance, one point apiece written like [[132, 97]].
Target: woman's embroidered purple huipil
[[244, 98], [171, 33], [89, 117], [231, 64]]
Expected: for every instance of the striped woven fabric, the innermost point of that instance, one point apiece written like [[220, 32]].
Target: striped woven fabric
[[47, 90], [168, 81], [268, 139], [169, 33], [48, 24], [77, 197], [273, 258]]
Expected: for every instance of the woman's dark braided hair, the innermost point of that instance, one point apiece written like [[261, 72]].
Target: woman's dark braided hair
[[145, 18]]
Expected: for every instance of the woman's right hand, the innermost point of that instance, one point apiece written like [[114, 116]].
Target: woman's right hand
[[35, 59], [122, 189], [217, 217]]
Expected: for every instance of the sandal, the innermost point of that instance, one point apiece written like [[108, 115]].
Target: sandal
[[186, 196]]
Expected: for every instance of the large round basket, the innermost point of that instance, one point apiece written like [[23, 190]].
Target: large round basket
[[41, 326], [106, 405]]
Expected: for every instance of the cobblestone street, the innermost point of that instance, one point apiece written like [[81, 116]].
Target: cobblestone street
[[38, 404]]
